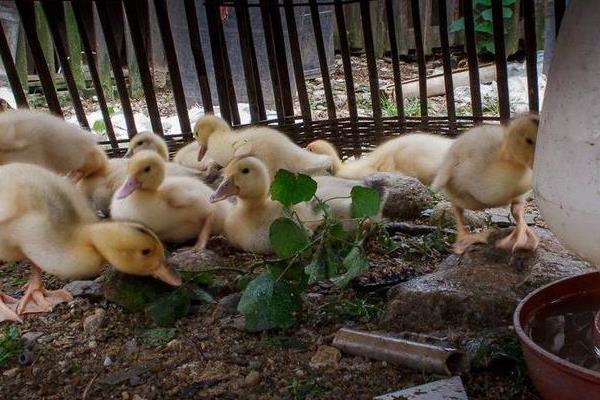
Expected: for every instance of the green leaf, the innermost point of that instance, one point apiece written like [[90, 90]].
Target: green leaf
[[355, 263], [269, 303], [487, 14], [333, 260], [99, 126], [484, 26], [365, 202], [287, 237], [335, 229], [457, 25], [483, 2], [166, 310], [507, 12], [289, 188], [488, 46], [508, 2]]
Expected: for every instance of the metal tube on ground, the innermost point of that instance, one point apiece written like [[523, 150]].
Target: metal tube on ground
[[418, 356]]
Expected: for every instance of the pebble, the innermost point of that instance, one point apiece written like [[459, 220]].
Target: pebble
[[107, 362], [227, 306], [84, 288], [11, 373], [32, 336], [252, 379], [131, 346], [93, 322], [92, 344], [326, 356], [125, 395]]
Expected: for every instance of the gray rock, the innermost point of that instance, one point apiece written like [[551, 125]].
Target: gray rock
[[442, 215], [84, 289], [227, 306], [32, 337], [195, 260], [478, 290], [93, 322], [107, 362], [406, 198], [130, 346], [500, 217]]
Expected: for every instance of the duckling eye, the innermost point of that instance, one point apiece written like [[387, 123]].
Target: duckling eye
[[147, 169], [245, 170], [529, 141], [141, 142], [145, 252]]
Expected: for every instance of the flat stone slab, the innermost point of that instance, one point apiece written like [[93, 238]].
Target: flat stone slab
[[447, 389]]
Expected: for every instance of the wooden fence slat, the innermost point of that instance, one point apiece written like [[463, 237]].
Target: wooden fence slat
[[420, 59], [197, 52], [500, 55], [228, 78], [141, 56], [54, 10], [11, 71], [282, 65], [79, 8], [27, 12], [472, 59], [365, 16], [272, 57], [389, 7], [297, 61], [162, 15], [531, 54], [443, 25], [212, 17], [102, 7], [318, 31], [559, 12], [249, 62], [346, 60], [74, 48]]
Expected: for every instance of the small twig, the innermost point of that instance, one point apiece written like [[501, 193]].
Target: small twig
[[226, 269], [89, 386]]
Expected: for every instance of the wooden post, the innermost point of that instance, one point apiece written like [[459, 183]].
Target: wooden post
[[44, 37], [74, 49], [103, 61], [21, 59]]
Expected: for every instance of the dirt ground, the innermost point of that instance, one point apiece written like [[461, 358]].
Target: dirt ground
[[205, 356]]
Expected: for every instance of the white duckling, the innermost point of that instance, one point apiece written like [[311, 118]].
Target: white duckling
[[247, 225], [175, 208], [46, 220], [276, 150], [40, 138], [491, 166], [418, 155], [336, 193]]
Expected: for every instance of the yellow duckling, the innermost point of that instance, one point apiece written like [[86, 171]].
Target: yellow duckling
[[491, 166], [40, 138], [275, 149], [176, 208], [147, 140], [247, 225], [419, 155], [46, 220]]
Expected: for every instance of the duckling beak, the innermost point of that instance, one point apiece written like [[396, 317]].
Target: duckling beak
[[201, 152], [166, 274], [226, 189], [128, 187]]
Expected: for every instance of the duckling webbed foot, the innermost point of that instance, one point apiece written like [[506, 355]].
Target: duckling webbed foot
[[7, 308], [468, 239], [37, 298], [522, 237], [205, 232], [464, 238]]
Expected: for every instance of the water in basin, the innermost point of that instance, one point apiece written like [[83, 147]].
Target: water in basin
[[565, 328]]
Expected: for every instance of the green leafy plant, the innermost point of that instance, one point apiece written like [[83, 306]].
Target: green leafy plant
[[484, 29], [273, 298], [10, 344], [158, 336]]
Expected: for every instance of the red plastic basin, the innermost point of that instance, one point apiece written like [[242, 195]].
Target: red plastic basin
[[554, 377]]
